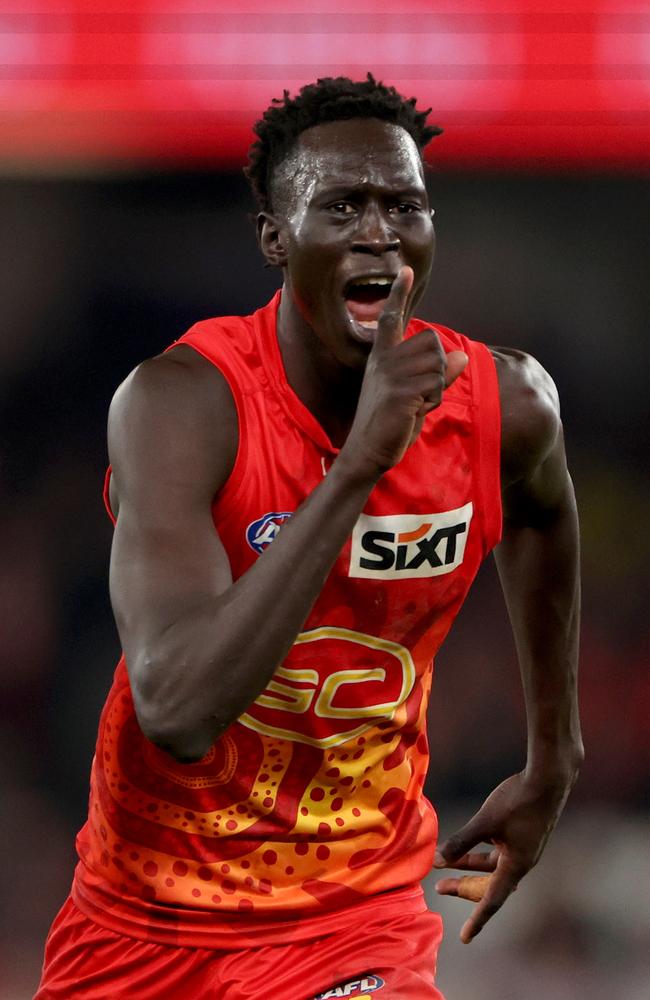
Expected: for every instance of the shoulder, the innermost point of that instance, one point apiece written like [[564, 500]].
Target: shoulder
[[179, 384], [175, 412], [530, 413]]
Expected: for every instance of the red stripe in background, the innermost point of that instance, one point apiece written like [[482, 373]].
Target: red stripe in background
[[512, 86]]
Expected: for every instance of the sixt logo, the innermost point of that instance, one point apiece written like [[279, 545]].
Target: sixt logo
[[260, 533], [409, 545], [354, 988]]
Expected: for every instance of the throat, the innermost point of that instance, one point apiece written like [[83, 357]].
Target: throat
[[333, 402], [336, 426], [326, 387], [330, 392]]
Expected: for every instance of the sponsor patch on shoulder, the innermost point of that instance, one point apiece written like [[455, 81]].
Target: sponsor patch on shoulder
[[398, 546], [353, 988], [260, 533]]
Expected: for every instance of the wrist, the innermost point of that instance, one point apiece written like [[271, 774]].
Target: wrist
[[355, 474], [555, 765]]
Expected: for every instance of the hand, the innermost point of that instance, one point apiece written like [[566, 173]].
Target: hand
[[404, 380], [517, 818]]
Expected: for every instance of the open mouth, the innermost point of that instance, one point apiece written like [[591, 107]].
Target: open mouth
[[365, 299]]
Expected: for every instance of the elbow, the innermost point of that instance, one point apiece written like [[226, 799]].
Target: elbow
[[578, 755], [186, 746], [171, 721]]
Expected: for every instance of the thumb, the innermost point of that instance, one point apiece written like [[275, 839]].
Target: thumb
[[456, 846]]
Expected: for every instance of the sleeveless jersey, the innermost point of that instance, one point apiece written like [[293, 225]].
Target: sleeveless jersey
[[311, 802]]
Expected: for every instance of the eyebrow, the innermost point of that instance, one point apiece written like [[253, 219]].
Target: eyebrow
[[342, 189]]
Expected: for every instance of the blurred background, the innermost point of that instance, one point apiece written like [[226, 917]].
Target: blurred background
[[124, 218]]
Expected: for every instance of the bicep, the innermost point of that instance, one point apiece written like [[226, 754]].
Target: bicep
[[163, 567], [535, 478], [171, 447], [543, 492]]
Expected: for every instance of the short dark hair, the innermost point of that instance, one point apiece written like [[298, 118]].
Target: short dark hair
[[329, 99]]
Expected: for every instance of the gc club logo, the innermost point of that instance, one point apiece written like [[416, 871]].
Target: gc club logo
[[260, 533], [333, 685], [353, 988], [398, 546]]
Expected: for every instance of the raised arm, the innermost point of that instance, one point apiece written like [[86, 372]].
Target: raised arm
[[196, 654], [538, 564]]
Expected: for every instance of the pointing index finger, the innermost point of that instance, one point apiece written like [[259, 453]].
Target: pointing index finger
[[390, 327]]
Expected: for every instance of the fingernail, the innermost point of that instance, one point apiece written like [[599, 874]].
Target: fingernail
[[438, 860]]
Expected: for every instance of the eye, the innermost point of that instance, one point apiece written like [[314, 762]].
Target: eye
[[404, 208], [341, 208]]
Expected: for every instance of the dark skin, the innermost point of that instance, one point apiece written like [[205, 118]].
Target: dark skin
[[350, 201]]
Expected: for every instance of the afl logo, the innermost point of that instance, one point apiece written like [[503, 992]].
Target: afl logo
[[353, 988], [260, 533]]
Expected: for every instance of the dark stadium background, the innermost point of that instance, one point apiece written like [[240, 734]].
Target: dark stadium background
[[110, 249]]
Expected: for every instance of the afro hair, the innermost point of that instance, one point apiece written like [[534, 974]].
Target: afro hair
[[329, 99]]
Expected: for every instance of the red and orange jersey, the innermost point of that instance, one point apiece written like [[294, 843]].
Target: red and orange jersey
[[312, 800]]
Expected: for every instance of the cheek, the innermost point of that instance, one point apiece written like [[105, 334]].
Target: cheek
[[311, 266], [431, 251], [305, 286], [423, 245]]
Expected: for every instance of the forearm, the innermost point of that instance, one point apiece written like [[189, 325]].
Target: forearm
[[538, 565], [195, 673]]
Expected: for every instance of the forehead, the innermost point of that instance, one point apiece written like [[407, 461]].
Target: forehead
[[359, 151]]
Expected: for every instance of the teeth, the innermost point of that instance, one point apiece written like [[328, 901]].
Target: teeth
[[373, 281], [371, 324]]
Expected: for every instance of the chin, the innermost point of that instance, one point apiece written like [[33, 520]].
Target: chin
[[354, 356], [335, 343]]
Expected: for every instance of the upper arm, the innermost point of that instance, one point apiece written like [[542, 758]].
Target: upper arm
[[172, 436], [534, 475]]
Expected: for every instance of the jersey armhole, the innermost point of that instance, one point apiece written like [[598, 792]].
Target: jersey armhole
[[235, 479], [107, 496], [485, 389]]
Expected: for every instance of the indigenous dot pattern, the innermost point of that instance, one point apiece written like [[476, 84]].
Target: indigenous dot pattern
[[334, 807]]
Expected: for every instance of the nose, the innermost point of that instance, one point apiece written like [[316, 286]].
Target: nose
[[374, 233]]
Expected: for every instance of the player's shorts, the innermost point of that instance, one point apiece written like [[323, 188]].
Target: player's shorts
[[390, 954]]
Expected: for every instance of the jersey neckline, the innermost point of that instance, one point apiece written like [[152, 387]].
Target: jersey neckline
[[266, 328]]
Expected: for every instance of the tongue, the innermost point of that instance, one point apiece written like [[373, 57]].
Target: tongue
[[365, 312]]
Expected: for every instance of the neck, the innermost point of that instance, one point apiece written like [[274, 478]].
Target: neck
[[329, 389]]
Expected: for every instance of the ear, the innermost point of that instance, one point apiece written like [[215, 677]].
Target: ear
[[269, 237]]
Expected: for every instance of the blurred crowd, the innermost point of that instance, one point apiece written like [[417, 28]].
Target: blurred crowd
[[99, 274]]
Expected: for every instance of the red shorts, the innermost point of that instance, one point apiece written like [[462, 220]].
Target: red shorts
[[392, 955]]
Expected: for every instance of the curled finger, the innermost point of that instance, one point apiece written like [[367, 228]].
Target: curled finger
[[477, 861]]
